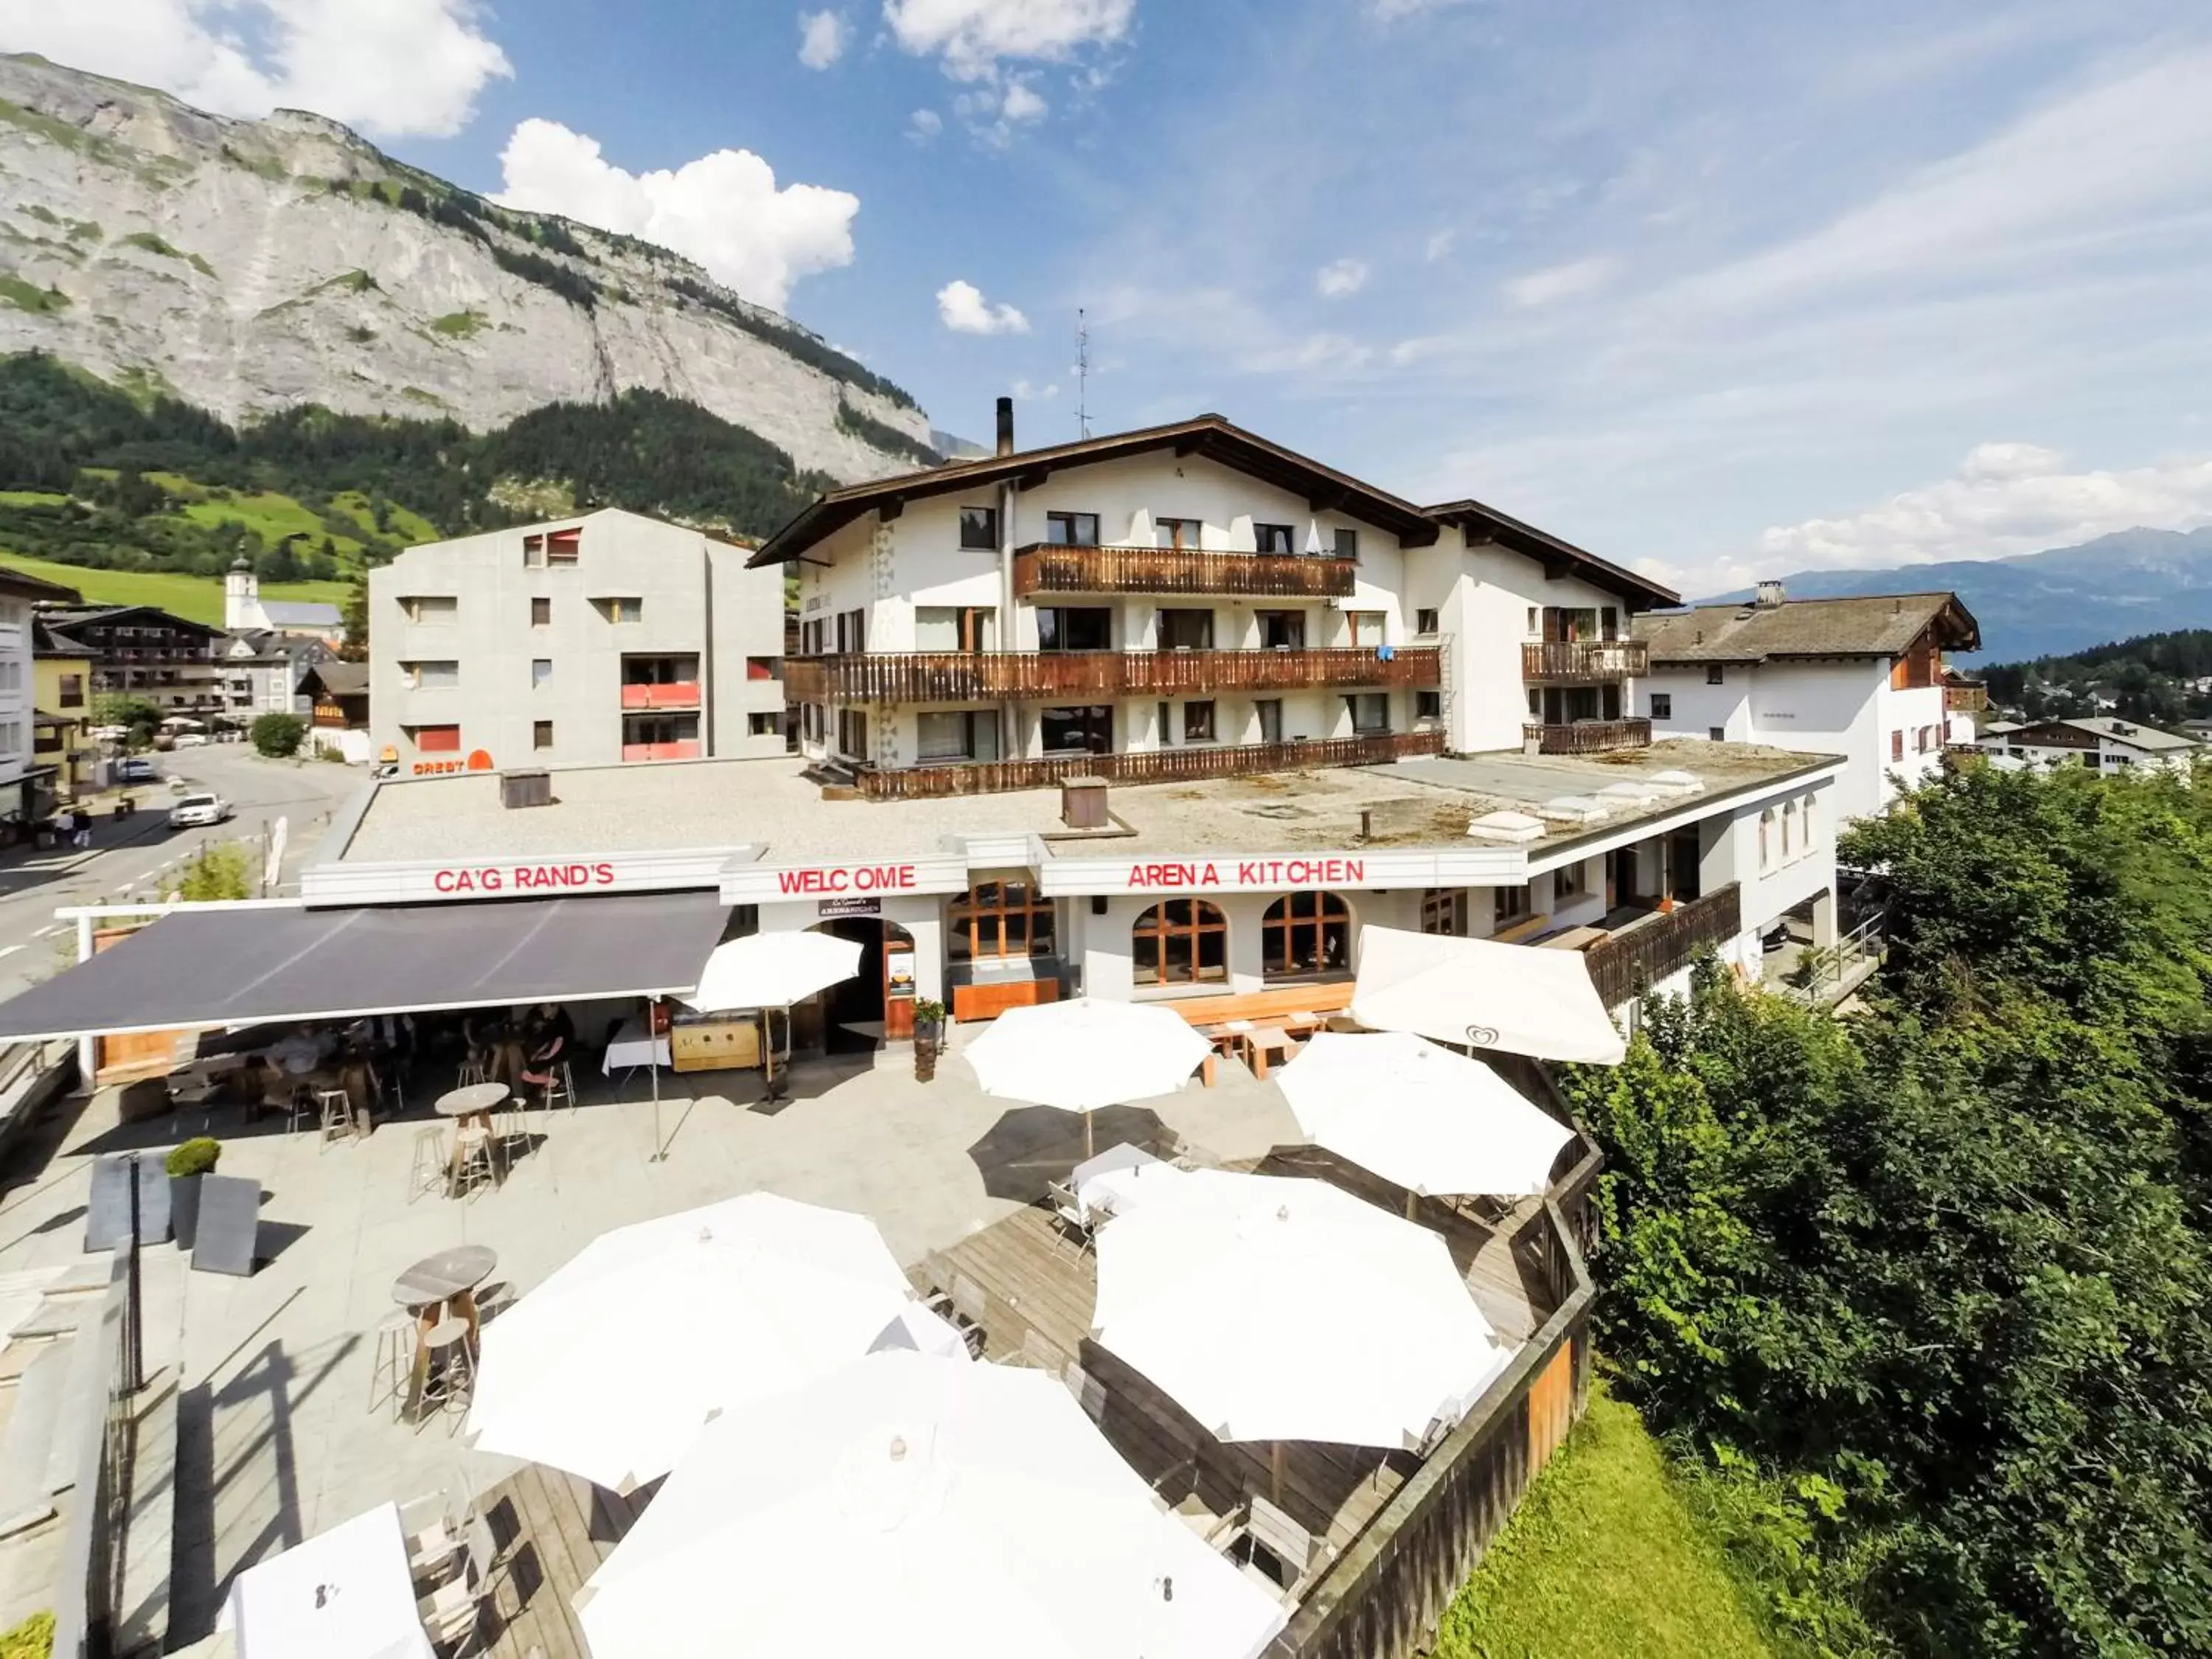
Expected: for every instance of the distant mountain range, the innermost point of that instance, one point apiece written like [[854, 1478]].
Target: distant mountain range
[[2051, 604]]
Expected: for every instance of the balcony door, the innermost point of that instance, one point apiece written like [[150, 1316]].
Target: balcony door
[[1075, 627], [1186, 630], [1083, 730], [1282, 630]]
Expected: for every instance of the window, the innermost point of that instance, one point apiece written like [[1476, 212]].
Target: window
[[1366, 626], [1071, 529], [1510, 904], [853, 732], [1369, 710], [959, 734], [811, 637], [852, 632], [1161, 713], [1197, 722], [1180, 942], [1305, 933], [1534, 627], [762, 668], [979, 526], [541, 671], [1425, 619], [541, 613], [533, 552], [1570, 881], [1662, 705], [1087, 730], [1072, 627], [622, 610], [764, 723], [1716, 733], [1897, 745], [996, 920], [810, 724], [1716, 674], [1790, 847], [1272, 538], [435, 739], [72, 691], [1444, 911], [1270, 710], [1186, 630], [430, 611], [1347, 542], [541, 734], [1809, 836], [563, 546], [431, 675], [1766, 839], [1428, 705], [955, 628], [1180, 533], [1281, 630]]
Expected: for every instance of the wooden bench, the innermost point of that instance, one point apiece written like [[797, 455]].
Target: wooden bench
[[1299, 1009]]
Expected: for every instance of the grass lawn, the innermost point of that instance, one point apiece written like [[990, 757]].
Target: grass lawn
[[198, 598], [274, 515], [1602, 1558]]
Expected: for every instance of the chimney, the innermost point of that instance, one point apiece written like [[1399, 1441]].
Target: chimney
[[1005, 425], [1082, 803], [1769, 596]]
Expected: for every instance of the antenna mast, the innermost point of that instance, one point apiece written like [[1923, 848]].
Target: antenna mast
[[1082, 374]]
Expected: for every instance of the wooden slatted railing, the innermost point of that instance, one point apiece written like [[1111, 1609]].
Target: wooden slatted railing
[[1048, 569], [1590, 737], [902, 676], [1153, 766], [1627, 965], [1564, 662]]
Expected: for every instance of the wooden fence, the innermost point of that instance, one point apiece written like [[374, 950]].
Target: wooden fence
[[1627, 965], [1570, 662], [1588, 737], [905, 676], [1052, 569], [1151, 765]]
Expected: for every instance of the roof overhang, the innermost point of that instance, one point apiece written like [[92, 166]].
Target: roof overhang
[[1558, 558]]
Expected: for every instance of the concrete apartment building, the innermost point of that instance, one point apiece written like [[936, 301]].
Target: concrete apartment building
[[143, 652], [2101, 743], [26, 779], [599, 639], [1864, 678]]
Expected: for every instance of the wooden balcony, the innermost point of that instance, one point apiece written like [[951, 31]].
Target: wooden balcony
[[1154, 766], [1588, 737], [896, 676], [1583, 662], [686, 750], [1045, 568], [676, 694], [1627, 965], [1967, 699]]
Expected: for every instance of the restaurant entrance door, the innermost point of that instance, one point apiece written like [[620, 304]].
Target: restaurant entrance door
[[876, 1004]]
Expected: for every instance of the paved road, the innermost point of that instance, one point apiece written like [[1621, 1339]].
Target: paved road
[[130, 860]]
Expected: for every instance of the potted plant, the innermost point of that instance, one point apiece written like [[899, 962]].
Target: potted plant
[[186, 1164], [928, 1035]]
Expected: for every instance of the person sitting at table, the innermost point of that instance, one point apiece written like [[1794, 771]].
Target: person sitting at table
[[539, 1073]]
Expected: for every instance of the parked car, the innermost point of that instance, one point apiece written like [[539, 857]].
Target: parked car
[[192, 740], [137, 769], [196, 811]]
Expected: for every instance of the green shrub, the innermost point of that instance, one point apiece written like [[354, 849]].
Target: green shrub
[[196, 1157], [32, 1639], [219, 872], [279, 735]]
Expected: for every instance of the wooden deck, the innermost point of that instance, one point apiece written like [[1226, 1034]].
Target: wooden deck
[[553, 1531], [1032, 1289]]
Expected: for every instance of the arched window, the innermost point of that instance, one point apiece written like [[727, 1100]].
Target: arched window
[[1180, 942], [1789, 830], [1305, 933], [997, 919], [1810, 838], [1766, 839]]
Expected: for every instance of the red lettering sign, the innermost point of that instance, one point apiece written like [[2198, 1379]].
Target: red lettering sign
[[848, 879], [1252, 873], [523, 878]]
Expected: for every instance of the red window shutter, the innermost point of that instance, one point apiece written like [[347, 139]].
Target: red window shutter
[[438, 739]]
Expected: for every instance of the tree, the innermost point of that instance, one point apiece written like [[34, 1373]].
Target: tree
[[277, 735], [355, 615], [120, 708], [217, 873]]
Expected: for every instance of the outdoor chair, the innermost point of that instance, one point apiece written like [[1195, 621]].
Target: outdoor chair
[[472, 1160], [432, 1163], [436, 1548], [1067, 1213], [1288, 1546], [472, 1071], [455, 1612], [453, 1370], [395, 1362]]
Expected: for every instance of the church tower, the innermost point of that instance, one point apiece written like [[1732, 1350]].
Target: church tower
[[241, 598]]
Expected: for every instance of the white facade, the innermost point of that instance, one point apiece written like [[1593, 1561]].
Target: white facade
[[1894, 739], [18, 692], [593, 641], [2101, 744]]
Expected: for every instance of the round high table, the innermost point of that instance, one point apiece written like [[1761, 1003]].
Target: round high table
[[472, 1105], [438, 1287]]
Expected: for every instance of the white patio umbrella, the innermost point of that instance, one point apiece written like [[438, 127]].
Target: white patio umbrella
[[608, 1368], [1521, 999], [1278, 1309], [915, 1506], [1082, 1054], [1422, 1117], [772, 970]]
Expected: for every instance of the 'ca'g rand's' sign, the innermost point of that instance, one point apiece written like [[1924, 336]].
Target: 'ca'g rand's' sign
[[523, 878]]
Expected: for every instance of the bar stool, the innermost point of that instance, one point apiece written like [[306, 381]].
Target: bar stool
[[472, 1071], [338, 1116], [395, 1362], [452, 1367], [560, 1086], [433, 1164], [299, 1107], [472, 1158]]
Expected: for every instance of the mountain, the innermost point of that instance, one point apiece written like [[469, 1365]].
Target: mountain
[[2055, 602], [249, 267]]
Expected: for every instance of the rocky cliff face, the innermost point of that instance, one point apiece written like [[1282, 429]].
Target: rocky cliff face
[[251, 265]]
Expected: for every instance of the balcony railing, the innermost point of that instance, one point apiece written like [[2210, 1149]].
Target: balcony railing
[[1050, 568], [674, 694], [1966, 699], [686, 750], [964, 676], [1588, 737], [1584, 662], [1627, 965], [1151, 765]]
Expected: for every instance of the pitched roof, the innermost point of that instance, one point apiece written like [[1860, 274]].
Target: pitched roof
[[74, 616], [1879, 625], [49, 640], [24, 585], [1488, 524], [301, 613], [340, 679], [1212, 436], [2148, 738]]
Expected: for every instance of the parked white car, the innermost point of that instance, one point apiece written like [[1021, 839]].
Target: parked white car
[[192, 740], [197, 811]]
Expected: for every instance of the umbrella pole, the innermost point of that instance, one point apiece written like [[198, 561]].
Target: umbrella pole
[[652, 1065], [1089, 1149], [1410, 1201], [1275, 1471]]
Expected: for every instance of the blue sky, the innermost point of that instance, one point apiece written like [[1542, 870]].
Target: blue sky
[[1717, 289]]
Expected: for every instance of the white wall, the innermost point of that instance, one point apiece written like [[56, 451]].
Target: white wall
[[18, 696]]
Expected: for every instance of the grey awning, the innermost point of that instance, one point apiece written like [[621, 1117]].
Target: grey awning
[[196, 969]]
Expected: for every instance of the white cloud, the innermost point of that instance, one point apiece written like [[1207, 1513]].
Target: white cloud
[[723, 209], [962, 307], [822, 37], [1022, 102], [2005, 498], [1341, 277], [972, 36], [393, 68], [924, 125], [1573, 281], [1440, 245], [1024, 392], [1389, 11]]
